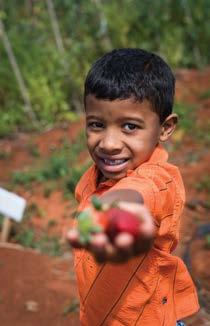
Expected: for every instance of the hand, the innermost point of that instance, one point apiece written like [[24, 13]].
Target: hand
[[125, 245]]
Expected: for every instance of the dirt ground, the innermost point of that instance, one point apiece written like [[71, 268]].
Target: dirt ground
[[40, 290]]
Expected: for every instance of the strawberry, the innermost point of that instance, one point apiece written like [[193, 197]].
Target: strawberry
[[110, 220], [122, 221], [115, 220]]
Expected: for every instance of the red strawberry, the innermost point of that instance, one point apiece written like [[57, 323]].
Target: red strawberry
[[122, 221]]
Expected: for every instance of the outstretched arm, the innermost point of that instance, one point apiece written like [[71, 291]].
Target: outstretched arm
[[125, 245]]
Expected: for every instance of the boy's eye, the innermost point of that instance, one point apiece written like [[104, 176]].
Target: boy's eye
[[95, 125], [130, 127]]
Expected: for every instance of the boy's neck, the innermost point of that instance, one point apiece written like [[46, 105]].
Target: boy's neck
[[101, 178]]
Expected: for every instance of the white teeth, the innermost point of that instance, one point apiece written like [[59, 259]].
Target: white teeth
[[113, 162]]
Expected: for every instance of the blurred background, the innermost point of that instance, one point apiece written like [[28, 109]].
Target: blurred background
[[46, 49]]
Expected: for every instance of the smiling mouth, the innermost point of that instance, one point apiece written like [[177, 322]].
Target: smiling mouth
[[108, 165], [113, 162]]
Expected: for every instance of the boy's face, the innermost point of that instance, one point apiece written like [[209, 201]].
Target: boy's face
[[121, 134]]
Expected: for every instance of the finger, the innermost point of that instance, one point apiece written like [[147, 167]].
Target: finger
[[97, 246], [124, 241], [111, 252], [73, 238], [121, 250]]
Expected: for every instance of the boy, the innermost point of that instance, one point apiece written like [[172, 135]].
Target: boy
[[128, 105]]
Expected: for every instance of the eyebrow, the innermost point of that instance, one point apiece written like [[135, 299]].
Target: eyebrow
[[92, 117], [120, 119], [134, 119]]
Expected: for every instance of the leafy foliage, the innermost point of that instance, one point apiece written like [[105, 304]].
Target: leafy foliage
[[72, 307], [177, 30], [204, 183], [205, 95], [58, 171], [207, 241], [46, 244], [58, 165], [75, 175]]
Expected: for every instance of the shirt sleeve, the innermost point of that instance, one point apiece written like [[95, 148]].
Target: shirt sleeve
[[163, 194]]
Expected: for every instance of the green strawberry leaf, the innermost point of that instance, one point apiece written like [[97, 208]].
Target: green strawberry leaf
[[83, 215], [97, 204], [84, 238], [85, 225], [96, 229]]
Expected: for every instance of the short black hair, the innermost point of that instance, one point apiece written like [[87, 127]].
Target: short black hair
[[133, 73]]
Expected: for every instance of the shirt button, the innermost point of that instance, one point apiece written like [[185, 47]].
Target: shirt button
[[164, 300]]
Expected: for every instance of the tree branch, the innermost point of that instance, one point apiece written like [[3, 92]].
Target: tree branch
[[24, 92]]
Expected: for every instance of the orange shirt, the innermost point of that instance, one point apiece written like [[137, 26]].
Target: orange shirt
[[153, 289]]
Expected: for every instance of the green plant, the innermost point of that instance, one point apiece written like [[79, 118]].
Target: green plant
[[72, 307], [205, 95], [46, 244], [33, 210], [26, 238], [49, 187], [1, 219], [4, 155], [207, 241], [57, 166], [186, 115], [49, 245], [33, 150], [52, 223], [75, 174], [204, 183], [75, 148], [202, 133], [25, 177], [177, 30]]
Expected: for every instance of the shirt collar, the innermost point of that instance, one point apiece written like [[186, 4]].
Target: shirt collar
[[158, 155]]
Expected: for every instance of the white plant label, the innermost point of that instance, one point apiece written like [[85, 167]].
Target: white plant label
[[12, 205]]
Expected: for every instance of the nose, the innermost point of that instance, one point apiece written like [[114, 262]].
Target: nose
[[110, 142]]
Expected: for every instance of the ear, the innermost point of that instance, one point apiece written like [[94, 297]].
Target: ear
[[168, 127]]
